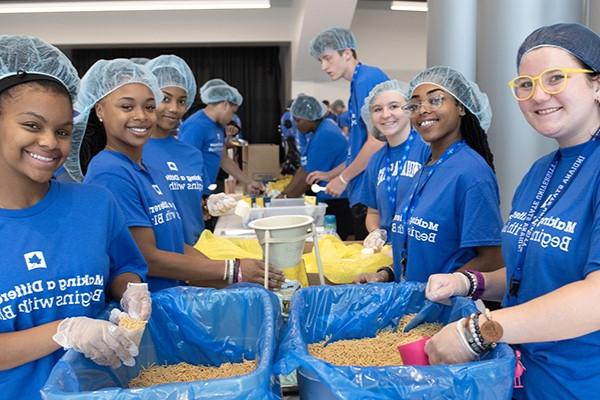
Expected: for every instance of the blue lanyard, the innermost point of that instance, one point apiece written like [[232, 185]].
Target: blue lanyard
[[538, 209], [353, 116], [391, 180], [415, 195]]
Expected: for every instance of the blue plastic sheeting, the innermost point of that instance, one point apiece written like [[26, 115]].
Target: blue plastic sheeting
[[195, 325], [358, 311]]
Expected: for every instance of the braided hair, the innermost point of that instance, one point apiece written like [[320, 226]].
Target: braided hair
[[475, 136]]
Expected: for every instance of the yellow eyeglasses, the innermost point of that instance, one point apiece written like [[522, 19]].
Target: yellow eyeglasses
[[552, 81]]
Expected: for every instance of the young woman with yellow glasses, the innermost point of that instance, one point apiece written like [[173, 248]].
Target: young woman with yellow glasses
[[551, 241]]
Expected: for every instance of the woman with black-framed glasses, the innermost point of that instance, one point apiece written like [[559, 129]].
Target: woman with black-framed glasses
[[449, 218], [551, 241]]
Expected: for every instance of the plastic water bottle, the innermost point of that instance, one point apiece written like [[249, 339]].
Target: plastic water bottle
[[330, 225]]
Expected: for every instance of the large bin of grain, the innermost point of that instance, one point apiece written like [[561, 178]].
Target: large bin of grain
[[358, 311], [194, 325]]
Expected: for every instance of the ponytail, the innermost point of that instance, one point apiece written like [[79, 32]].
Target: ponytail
[[476, 137]]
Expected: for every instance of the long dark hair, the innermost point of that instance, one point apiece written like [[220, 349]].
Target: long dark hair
[[476, 138], [94, 141]]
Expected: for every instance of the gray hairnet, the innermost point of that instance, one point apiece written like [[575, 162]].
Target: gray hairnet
[[455, 83], [392, 85], [220, 93], [20, 53], [334, 39], [103, 78], [173, 71], [307, 107], [580, 41]]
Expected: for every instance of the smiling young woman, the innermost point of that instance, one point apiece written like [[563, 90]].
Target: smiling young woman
[[550, 242], [54, 232], [450, 216], [116, 117]]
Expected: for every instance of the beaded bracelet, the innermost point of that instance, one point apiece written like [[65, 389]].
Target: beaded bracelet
[[472, 282]]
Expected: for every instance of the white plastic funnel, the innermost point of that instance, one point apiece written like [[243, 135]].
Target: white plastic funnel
[[286, 237]]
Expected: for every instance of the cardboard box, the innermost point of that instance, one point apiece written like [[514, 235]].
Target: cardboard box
[[261, 161]]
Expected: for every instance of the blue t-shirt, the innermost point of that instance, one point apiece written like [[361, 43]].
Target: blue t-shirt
[[326, 149], [144, 198], [387, 166], [364, 79], [59, 257], [457, 211], [207, 136], [344, 120], [182, 168], [564, 248]]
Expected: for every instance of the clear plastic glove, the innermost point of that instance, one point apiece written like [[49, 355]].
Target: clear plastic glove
[[449, 346], [220, 204], [136, 301], [101, 341], [440, 287], [376, 239]]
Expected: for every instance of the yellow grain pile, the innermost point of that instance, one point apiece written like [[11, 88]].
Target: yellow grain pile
[[132, 324], [379, 351], [184, 372]]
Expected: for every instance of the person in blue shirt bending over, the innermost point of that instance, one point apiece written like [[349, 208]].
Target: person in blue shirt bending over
[[116, 109], [449, 219], [326, 148], [335, 49], [391, 169], [551, 241], [205, 130], [180, 163], [65, 247]]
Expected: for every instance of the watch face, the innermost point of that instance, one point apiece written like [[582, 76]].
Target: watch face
[[491, 331]]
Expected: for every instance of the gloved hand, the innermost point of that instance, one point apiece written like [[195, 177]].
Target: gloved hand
[[136, 301], [220, 204], [441, 287], [101, 341], [376, 239]]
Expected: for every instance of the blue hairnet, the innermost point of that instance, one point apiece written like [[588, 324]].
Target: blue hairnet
[[172, 71], [577, 39], [220, 93], [335, 39], [307, 107], [103, 78], [35, 56], [392, 85], [455, 83]]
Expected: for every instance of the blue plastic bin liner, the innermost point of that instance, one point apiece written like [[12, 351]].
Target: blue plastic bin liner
[[195, 325], [358, 311]]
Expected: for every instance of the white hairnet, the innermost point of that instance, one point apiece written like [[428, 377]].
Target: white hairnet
[[21, 55], [220, 93], [465, 91], [103, 78], [212, 82], [392, 85], [307, 107], [335, 39], [173, 71]]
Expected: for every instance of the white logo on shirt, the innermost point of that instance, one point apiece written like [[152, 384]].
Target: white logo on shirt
[[35, 260], [157, 189], [172, 166]]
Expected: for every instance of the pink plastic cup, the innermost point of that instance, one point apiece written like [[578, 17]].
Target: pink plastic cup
[[413, 353]]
